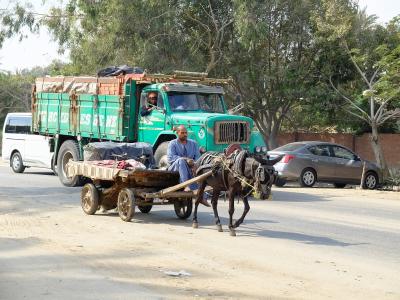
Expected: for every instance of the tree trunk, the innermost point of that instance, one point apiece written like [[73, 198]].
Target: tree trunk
[[272, 139], [376, 147]]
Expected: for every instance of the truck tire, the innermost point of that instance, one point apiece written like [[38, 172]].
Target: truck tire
[[16, 163], [68, 150], [160, 156]]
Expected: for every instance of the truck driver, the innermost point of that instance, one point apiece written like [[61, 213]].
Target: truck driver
[[151, 104]]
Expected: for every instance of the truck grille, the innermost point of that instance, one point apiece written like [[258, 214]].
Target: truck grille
[[232, 132]]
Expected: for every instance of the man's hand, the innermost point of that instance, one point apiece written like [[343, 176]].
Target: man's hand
[[190, 162]]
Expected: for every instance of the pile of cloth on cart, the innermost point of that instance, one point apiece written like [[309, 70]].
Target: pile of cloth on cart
[[129, 164]]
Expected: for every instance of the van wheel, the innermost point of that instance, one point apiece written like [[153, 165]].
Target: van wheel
[[16, 163], [160, 156], [54, 166], [308, 177], [68, 150]]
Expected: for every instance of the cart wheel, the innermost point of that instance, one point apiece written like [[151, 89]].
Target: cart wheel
[[146, 208], [183, 208], [89, 199], [126, 204]]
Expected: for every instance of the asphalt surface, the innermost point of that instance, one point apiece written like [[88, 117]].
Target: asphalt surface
[[362, 228]]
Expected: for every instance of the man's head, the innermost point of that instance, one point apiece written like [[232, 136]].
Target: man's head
[[152, 98], [182, 133]]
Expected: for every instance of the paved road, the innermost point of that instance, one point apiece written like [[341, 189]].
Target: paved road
[[306, 243]]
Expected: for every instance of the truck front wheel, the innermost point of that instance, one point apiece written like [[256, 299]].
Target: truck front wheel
[[160, 156], [68, 150]]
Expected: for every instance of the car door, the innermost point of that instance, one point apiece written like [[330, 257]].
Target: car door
[[151, 125], [39, 154], [322, 161], [348, 165]]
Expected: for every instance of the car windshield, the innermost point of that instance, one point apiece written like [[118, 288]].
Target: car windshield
[[196, 102], [289, 147]]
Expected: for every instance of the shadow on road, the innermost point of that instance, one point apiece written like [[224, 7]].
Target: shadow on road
[[290, 196], [300, 237], [77, 272]]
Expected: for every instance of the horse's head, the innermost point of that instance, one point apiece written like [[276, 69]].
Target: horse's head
[[262, 173]]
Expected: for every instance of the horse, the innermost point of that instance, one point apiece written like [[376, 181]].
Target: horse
[[239, 174]]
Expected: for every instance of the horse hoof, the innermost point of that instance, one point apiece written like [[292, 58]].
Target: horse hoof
[[195, 225], [219, 228], [232, 233]]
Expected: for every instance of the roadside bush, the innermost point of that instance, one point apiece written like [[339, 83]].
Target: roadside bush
[[393, 180]]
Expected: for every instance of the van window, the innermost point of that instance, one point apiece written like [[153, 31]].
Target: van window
[[18, 125]]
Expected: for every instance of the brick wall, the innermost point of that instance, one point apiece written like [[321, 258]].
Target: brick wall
[[359, 144]]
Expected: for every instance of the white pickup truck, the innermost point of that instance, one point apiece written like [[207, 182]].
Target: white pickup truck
[[21, 148]]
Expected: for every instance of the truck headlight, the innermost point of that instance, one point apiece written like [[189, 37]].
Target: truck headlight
[[258, 149], [264, 149]]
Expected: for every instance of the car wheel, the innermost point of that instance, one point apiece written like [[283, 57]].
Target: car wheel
[[16, 163], [308, 178], [339, 185], [370, 181], [280, 182]]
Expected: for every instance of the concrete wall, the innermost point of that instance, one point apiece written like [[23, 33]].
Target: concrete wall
[[359, 144]]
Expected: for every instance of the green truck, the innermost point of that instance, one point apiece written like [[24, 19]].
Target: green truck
[[74, 111]]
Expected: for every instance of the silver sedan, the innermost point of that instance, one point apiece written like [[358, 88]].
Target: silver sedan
[[309, 162]]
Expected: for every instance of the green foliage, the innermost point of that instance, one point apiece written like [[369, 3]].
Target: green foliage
[[281, 54], [13, 21], [393, 179]]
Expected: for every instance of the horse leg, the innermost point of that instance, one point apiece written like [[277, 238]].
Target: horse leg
[[200, 194], [214, 203], [245, 211], [231, 211]]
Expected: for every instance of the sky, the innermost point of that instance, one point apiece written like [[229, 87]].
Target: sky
[[40, 50]]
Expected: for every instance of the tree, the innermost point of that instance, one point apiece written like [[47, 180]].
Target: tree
[[375, 58], [14, 20], [273, 59], [161, 35]]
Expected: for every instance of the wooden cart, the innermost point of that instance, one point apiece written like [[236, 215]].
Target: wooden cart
[[114, 188]]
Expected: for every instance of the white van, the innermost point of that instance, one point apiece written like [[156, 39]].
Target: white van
[[21, 148]]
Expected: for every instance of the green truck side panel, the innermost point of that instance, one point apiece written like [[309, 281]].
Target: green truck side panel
[[109, 117]]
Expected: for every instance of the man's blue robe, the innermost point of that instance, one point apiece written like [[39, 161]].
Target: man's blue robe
[[175, 155]]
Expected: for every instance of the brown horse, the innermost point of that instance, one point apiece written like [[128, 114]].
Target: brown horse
[[240, 174]]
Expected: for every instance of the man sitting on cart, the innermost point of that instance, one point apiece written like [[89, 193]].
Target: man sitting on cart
[[181, 154]]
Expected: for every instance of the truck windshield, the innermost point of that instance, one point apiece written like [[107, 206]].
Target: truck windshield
[[195, 102]]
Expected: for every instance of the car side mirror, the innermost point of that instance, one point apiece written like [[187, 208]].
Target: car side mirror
[[356, 158]]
